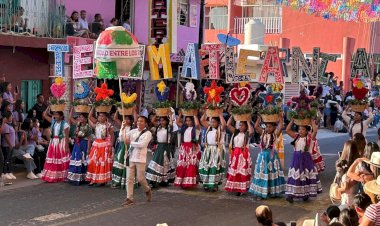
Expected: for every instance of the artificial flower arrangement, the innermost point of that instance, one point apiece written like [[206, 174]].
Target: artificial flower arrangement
[[58, 89], [239, 98], [359, 92], [270, 111], [190, 104], [103, 101], [163, 105], [213, 106], [127, 104], [303, 112], [80, 103]]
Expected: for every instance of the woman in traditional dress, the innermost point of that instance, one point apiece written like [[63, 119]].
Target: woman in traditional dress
[[303, 181], [58, 154], [161, 170], [269, 180], [119, 170], [82, 142], [189, 152], [212, 164], [100, 159], [240, 166]]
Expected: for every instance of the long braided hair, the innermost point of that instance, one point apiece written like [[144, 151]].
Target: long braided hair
[[193, 131], [167, 127], [246, 136], [218, 131]]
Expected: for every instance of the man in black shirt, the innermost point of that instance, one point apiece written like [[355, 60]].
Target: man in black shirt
[[98, 25], [40, 107]]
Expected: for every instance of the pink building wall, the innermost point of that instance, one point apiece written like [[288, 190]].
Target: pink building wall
[[104, 7]]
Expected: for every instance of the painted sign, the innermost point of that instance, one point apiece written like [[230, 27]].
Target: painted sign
[[244, 66], [190, 68], [79, 61], [59, 53], [160, 56], [214, 59], [272, 66], [137, 71], [360, 65]]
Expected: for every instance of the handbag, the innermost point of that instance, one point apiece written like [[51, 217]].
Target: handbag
[[335, 195], [129, 151]]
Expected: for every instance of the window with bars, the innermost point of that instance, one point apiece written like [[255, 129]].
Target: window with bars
[[216, 18], [183, 12]]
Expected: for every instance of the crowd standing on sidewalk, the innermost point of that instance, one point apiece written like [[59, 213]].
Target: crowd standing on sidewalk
[[94, 154]]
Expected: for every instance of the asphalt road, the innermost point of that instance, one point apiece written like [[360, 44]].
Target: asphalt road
[[35, 203]]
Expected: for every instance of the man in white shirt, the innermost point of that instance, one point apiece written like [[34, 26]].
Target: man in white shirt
[[357, 125], [83, 24], [138, 139], [127, 25]]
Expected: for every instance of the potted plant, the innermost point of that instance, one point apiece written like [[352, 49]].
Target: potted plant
[[213, 106], [58, 89], [103, 103], [359, 92], [127, 104], [239, 97], [162, 107], [303, 112], [190, 104]]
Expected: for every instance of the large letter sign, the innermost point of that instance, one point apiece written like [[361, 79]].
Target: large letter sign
[[300, 64], [243, 62], [190, 67], [78, 61], [157, 57], [59, 51], [272, 66], [214, 64], [360, 66], [322, 67]]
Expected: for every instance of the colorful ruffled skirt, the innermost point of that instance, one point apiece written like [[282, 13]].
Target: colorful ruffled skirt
[[100, 162], [161, 168], [303, 181], [78, 163], [239, 171], [269, 180], [57, 161], [187, 165], [212, 167], [119, 169], [317, 158]]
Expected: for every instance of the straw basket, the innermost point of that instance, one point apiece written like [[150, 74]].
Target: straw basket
[[242, 118], [302, 122], [82, 109], [211, 113], [358, 108], [103, 108], [162, 112], [57, 107], [270, 118], [125, 111], [188, 112]]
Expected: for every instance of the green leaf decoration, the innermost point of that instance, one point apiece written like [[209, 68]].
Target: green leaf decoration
[[121, 38], [107, 70], [135, 72]]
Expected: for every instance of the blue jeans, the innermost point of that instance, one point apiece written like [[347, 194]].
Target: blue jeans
[[376, 120]]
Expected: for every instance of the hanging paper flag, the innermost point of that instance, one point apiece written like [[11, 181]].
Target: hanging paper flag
[[59, 52], [190, 67], [162, 56], [79, 61], [360, 65], [243, 64], [272, 66], [214, 61]]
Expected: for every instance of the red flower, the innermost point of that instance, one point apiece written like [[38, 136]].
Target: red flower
[[103, 92], [269, 98], [213, 92]]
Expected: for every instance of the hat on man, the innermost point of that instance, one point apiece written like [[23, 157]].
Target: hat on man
[[375, 159], [373, 186]]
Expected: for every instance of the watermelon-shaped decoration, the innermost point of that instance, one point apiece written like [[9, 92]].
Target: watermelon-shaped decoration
[[116, 54]]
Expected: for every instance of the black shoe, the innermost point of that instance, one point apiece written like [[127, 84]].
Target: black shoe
[[305, 199], [289, 199], [238, 194]]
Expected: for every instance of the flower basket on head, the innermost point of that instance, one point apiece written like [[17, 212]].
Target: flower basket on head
[[242, 113], [163, 112], [190, 104], [103, 103], [82, 91], [242, 118], [302, 122], [274, 118], [359, 91], [127, 105], [82, 108], [303, 114], [213, 107], [270, 111], [162, 106], [58, 89], [189, 112], [125, 111]]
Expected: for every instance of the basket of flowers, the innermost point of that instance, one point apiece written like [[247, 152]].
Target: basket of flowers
[[190, 105], [127, 104], [58, 89], [163, 105], [82, 91], [103, 103], [359, 91], [213, 106], [81, 106], [239, 97], [270, 111], [303, 113]]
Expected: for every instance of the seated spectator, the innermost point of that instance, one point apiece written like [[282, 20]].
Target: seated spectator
[[127, 24], [18, 24], [18, 114], [360, 203], [4, 23], [113, 22], [41, 148], [339, 126], [331, 215], [348, 217], [372, 213], [98, 25], [83, 24], [264, 216], [73, 27]]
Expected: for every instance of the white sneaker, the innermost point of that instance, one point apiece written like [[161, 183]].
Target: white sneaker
[[27, 156], [31, 176], [12, 176], [8, 176], [39, 175]]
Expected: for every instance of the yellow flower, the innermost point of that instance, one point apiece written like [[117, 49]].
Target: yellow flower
[[212, 93], [243, 84], [161, 87], [128, 99], [58, 81], [359, 85]]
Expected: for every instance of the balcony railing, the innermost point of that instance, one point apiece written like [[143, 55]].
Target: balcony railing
[[273, 25], [40, 18]]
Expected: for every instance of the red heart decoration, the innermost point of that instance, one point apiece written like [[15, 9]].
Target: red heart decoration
[[239, 96]]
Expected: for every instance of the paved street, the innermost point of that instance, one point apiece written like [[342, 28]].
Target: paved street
[[35, 203]]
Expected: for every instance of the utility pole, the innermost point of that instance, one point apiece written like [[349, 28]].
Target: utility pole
[[201, 19]]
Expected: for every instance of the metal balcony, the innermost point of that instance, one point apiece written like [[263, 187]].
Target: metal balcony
[[273, 25]]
